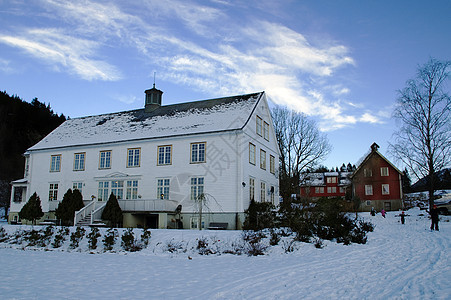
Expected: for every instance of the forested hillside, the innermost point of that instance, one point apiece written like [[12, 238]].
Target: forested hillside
[[22, 124]]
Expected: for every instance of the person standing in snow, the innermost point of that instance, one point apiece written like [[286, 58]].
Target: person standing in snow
[[403, 217], [383, 213], [434, 218]]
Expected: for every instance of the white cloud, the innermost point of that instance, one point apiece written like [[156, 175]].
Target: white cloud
[[202, 47], [62, 51]]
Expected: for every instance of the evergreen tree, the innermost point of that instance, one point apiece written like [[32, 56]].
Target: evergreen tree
[[112, 211], [259, 216], [72, 202], [32, 209]]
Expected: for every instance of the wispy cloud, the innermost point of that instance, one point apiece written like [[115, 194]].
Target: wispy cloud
[[201, 46], [63, 52]]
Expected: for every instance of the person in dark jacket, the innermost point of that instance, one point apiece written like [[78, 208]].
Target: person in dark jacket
[[434, 218]]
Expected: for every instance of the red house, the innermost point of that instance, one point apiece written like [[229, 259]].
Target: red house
[[327, 184], [377, 182]]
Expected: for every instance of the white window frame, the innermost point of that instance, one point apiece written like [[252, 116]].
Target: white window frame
[[251, 188], [133, 157], [197, 187], [384, 171], [103, 191], [272, 164], [53, 191], [262, 159], [132, 189], [262, 191], [55, 163], [77, 185], [259, 122], [163, 188], [79, 161], [164, 155], [266, 130], [252, 150], [368, 189], [117, 189], [105, 159], [368, 172], [198, 152], [385, 189]]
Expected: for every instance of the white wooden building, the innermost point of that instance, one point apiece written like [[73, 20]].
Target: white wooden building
[[157, 161]]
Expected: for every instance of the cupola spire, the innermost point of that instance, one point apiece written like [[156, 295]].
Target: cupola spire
[[153, 98]]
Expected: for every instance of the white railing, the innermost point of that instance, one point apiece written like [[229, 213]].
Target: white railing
[[79, 215], [97, 213], [148, 205]]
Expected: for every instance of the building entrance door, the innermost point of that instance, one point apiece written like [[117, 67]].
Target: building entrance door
[[152, 221]]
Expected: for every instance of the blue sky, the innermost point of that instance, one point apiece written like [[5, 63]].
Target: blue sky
[[340, 62]]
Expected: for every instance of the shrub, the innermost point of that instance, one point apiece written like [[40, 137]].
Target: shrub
[[275, 238], [145, 237], [60, 237], [253, 243], [92, 238], [174, 247], [112, 211], [289, 245], [3, 235], [72, 202], [32, 210], [110, 239], [259, 216], [129, 243], [203, 248], [76, 237]]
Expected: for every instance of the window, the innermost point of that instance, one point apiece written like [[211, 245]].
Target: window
[[103, 191], [272, 195], [77, 186], [79, 161], [133, 157], [198, 152], [368, 189], [252, 153], [259, 126], [197, 187], [117, 189], [368, 203], [132, 189], [53, 192], [319, 190], [342, 190], [194, 221], [385, 189], [272, 168], [384, 171], [55, 164], [266, 131], [19, 193], [263, 192], [263, 159], [251, 188], [331, 189], [331, 179], [163, 189], [164, 155], [367, 172], [105, 160], [27, 166]]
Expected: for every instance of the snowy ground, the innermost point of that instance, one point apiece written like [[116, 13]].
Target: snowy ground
[[398, 262]]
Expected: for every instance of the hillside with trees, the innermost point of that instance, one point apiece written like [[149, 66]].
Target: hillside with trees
[[22, 125]]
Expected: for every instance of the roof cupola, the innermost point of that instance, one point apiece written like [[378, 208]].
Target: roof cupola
[[153, 99]]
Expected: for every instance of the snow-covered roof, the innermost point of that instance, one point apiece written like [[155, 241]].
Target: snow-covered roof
[[318, 179], [207, 116]]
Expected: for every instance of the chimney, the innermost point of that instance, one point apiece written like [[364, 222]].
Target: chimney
[[153, 99]]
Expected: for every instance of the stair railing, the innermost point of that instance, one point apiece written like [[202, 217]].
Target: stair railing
[[82, 213], [97, 213]]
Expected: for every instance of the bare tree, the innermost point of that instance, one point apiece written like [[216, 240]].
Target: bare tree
[[423, 140], [302, 146]]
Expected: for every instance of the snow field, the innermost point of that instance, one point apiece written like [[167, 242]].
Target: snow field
[[398, 262]]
